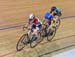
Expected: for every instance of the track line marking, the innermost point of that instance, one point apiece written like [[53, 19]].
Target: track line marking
[[23, 23]]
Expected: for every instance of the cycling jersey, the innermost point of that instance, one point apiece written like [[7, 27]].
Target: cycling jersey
[[37, 24], [49, 17]]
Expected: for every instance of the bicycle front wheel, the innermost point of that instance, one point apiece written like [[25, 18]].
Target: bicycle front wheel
[[23, 41]]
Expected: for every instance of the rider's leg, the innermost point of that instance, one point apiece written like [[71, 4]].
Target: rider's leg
[[49, 25], [35, 31], [29, 32], [52, 25]]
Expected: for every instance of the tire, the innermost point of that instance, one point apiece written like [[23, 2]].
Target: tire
[[23, 41], [35, 40], [58, 23], [51, 34]]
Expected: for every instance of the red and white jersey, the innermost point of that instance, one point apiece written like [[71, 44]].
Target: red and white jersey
[[36, 21]]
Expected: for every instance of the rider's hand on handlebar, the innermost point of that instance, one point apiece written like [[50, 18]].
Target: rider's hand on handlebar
[[24, 27]]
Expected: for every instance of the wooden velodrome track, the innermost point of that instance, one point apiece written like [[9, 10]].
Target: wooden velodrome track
[[13, 14]]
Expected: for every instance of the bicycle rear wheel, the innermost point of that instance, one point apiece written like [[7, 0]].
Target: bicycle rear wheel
[[51, 34], [23, 41]]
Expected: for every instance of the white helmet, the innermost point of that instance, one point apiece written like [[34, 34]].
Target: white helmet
[[31, 16]]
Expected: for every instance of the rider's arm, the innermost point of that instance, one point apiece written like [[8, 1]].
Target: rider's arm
[[27, 24]]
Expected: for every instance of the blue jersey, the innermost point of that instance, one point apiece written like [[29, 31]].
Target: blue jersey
[[49, 16]]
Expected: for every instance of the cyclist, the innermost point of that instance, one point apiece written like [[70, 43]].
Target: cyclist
[[50, 20], [35, 23]]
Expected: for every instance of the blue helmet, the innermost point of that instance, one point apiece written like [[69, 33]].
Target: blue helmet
[[58, 10], [48, 16]]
